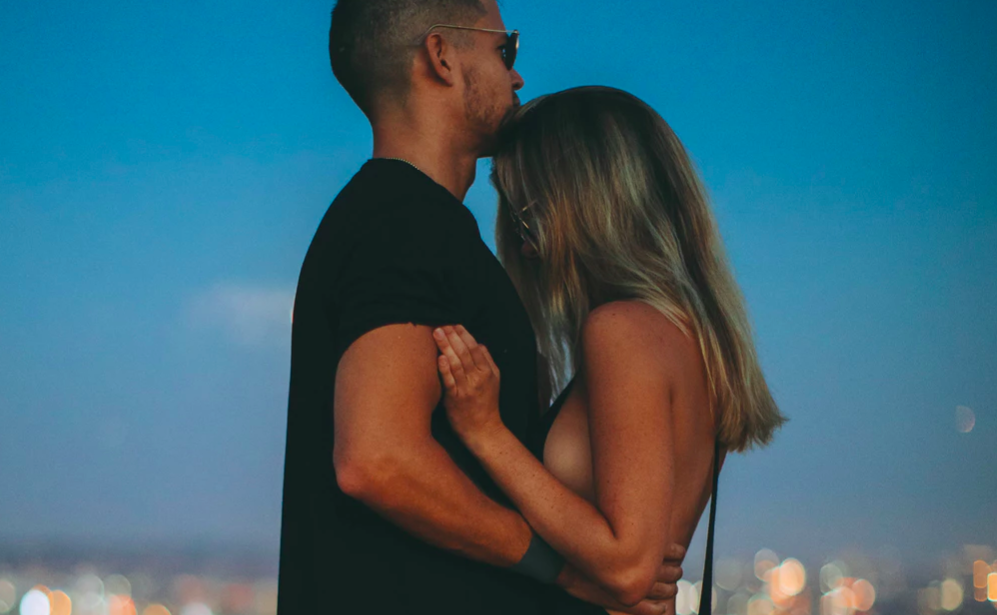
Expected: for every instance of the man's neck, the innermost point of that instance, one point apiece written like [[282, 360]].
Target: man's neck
[[431, 151]]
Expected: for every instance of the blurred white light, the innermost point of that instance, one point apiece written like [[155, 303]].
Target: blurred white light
[[760, 604], [831, 575], [952, 594], [965, 419], [728, 574], [765, 560], [118, 585], [683, 601], [196, 608], [8, 596], [738, 604], [34, 603], [929, 600], [88, 592], [697, 592]]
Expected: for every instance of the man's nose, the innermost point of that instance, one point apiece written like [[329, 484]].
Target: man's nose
[[517, 80]]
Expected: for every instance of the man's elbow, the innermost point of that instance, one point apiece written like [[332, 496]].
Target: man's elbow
[[366, 477]]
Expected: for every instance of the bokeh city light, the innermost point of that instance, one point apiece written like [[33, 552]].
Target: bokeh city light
[[765, 584]]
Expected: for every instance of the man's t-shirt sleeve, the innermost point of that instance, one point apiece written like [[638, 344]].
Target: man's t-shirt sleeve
[[401, 270]]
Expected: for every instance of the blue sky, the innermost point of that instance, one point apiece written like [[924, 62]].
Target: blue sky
[[162, 169]]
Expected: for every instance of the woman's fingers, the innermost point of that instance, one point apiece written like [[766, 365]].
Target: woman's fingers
[[482, 358], [463, 352], [480, 355], [465, 336], [663, 591], [651, 607], [674, 553], [453, 359], [444, 364], [491, 361], [460, 348], [669, 573]]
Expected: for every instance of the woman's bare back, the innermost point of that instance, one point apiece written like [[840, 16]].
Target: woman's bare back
[[567, 451]]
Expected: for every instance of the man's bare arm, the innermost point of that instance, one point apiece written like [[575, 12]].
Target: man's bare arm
[[385, 455]]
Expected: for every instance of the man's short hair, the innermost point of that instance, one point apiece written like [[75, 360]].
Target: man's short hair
[[372, 42]]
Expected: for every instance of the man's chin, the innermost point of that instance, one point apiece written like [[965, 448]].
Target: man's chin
[[490, 145]]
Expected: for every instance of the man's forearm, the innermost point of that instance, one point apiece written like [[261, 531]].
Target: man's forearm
[[421, 490]]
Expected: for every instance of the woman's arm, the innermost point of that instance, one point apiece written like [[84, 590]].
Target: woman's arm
[[620, 542]]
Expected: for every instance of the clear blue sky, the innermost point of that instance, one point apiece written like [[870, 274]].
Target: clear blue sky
[[163, 166]]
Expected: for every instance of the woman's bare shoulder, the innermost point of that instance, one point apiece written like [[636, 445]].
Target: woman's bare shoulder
[[636, 325], [636, 339]]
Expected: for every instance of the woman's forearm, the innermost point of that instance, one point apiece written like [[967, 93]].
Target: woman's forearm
[[570, 524]]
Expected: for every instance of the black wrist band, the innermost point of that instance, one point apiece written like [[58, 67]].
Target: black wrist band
[[540, 562]]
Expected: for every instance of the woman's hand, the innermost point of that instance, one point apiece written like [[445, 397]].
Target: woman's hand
[[471, 382]]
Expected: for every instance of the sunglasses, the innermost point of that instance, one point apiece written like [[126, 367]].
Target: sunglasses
[[527, 234], [509, 50]]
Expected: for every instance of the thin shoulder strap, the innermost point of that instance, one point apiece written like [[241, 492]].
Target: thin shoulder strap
[[706, 592]]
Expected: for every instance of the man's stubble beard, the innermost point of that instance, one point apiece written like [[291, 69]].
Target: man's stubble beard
[[483, 115]]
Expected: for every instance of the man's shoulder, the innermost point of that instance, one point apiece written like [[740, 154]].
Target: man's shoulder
[[374, 222], [377, 203]]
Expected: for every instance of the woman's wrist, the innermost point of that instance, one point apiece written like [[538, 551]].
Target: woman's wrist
[[485, 440]]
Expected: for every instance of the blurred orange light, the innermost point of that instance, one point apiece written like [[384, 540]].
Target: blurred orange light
[[188, 589], [992, 587], [980, 572], [840, 601], [865, 595], [237, 598], [792, 577], [60, 603], [156, 609], [121, 605]]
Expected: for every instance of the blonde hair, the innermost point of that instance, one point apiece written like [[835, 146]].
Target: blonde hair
[[619, 213]]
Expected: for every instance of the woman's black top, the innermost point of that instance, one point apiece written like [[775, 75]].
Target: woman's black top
[[560, 603]]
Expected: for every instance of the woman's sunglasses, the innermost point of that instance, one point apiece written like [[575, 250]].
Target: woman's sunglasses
[[527, 234], [509, 50]]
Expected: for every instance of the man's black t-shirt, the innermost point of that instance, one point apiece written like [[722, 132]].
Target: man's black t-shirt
[[394, 247]]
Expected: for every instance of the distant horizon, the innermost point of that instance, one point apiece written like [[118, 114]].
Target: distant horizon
[[229, 556]]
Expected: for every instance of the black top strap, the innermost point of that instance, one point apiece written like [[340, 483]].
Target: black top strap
[[706, 593]]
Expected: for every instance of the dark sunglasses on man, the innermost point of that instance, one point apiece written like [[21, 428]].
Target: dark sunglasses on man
[[509, 50]]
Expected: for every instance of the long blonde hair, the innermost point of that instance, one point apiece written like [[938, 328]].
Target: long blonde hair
[[619, 213]]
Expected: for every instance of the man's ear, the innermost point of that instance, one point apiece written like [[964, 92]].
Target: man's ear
[[442, 58]]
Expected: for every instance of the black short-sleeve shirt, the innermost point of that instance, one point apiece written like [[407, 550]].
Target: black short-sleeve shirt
[[394, 247]]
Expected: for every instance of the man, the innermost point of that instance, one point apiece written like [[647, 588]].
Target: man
[[384, 510]]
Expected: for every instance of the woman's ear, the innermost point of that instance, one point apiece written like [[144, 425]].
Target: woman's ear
[[442, 58]]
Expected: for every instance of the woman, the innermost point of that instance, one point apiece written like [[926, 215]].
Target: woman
[[606, 232]]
